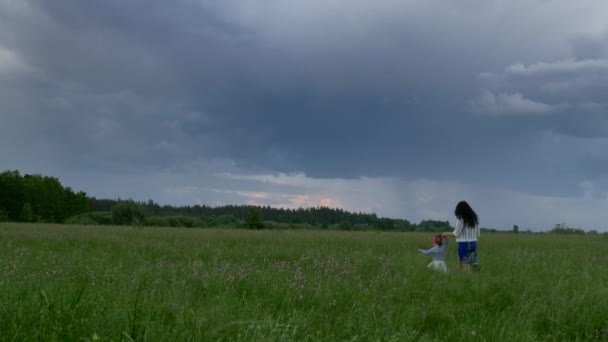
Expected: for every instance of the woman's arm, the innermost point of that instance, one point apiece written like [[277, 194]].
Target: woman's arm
[[456, 232]]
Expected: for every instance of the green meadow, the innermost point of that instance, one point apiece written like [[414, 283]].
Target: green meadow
[[90, 283]]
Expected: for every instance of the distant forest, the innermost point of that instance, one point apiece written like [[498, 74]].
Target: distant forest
[[320, 217], [38, 198]]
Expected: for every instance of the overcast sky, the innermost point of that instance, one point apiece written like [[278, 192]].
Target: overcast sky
[[398, 107]]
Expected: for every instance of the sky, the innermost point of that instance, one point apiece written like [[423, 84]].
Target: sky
[[397, 107]]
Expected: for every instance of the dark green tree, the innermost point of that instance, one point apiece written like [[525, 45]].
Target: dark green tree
[[11, 194], [562, 228], [128, 212], [345, 225], [3, 215], [74, 203], [45, 194], [385, 224], [27, 214], [254, 218], [433, 226], [515, 229]]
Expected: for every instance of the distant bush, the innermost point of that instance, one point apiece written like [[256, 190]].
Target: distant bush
[[290, 226], [128, 212], [433, 226], [564, 229], [3, 215], [81, 220], [27, 214], [254, 218], [176, 221], [273, 225], [223, 221], [92, 218], [106, 218]]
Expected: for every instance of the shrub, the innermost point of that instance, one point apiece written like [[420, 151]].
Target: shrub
[[82, 220], [3, 215], [222, 220], [92, 218], [128, 212], [254, 218], [176, 221], [27, 214]]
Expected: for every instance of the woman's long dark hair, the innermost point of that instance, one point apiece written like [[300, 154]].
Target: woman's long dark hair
[[465, 213]]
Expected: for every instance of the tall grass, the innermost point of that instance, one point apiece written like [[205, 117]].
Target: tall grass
[[118, 283]]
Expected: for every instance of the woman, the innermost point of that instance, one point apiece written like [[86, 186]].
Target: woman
[[466, 234]]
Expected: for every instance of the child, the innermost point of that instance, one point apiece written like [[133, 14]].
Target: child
[[440, 244]]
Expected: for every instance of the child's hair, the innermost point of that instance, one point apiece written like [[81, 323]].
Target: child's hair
[[437, 240]]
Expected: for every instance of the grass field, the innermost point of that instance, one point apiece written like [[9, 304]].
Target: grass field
[[73, 283]]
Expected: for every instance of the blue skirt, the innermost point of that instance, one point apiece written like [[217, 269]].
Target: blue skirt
[[466, 249]]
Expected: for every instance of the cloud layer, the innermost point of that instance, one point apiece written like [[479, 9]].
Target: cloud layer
[[352, 94]]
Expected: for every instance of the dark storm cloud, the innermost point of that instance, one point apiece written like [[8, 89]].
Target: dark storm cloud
[[330, 90], [569, 93], [586, 47], [106, 80], [110, 71]]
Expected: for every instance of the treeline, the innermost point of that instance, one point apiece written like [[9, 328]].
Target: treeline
[[37, 198], [314, 217], [562, 228]]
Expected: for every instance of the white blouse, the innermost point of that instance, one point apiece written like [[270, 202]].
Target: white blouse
[[465, 234]]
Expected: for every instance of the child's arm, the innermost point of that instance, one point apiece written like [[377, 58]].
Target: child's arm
[[428, 251]]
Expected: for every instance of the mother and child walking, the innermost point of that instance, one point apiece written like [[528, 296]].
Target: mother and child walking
[[466, 234]]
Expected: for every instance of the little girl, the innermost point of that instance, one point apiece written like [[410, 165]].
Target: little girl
[[440, 244]]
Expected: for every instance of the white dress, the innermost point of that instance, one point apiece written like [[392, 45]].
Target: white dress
[[438, 265], [437, 252]]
